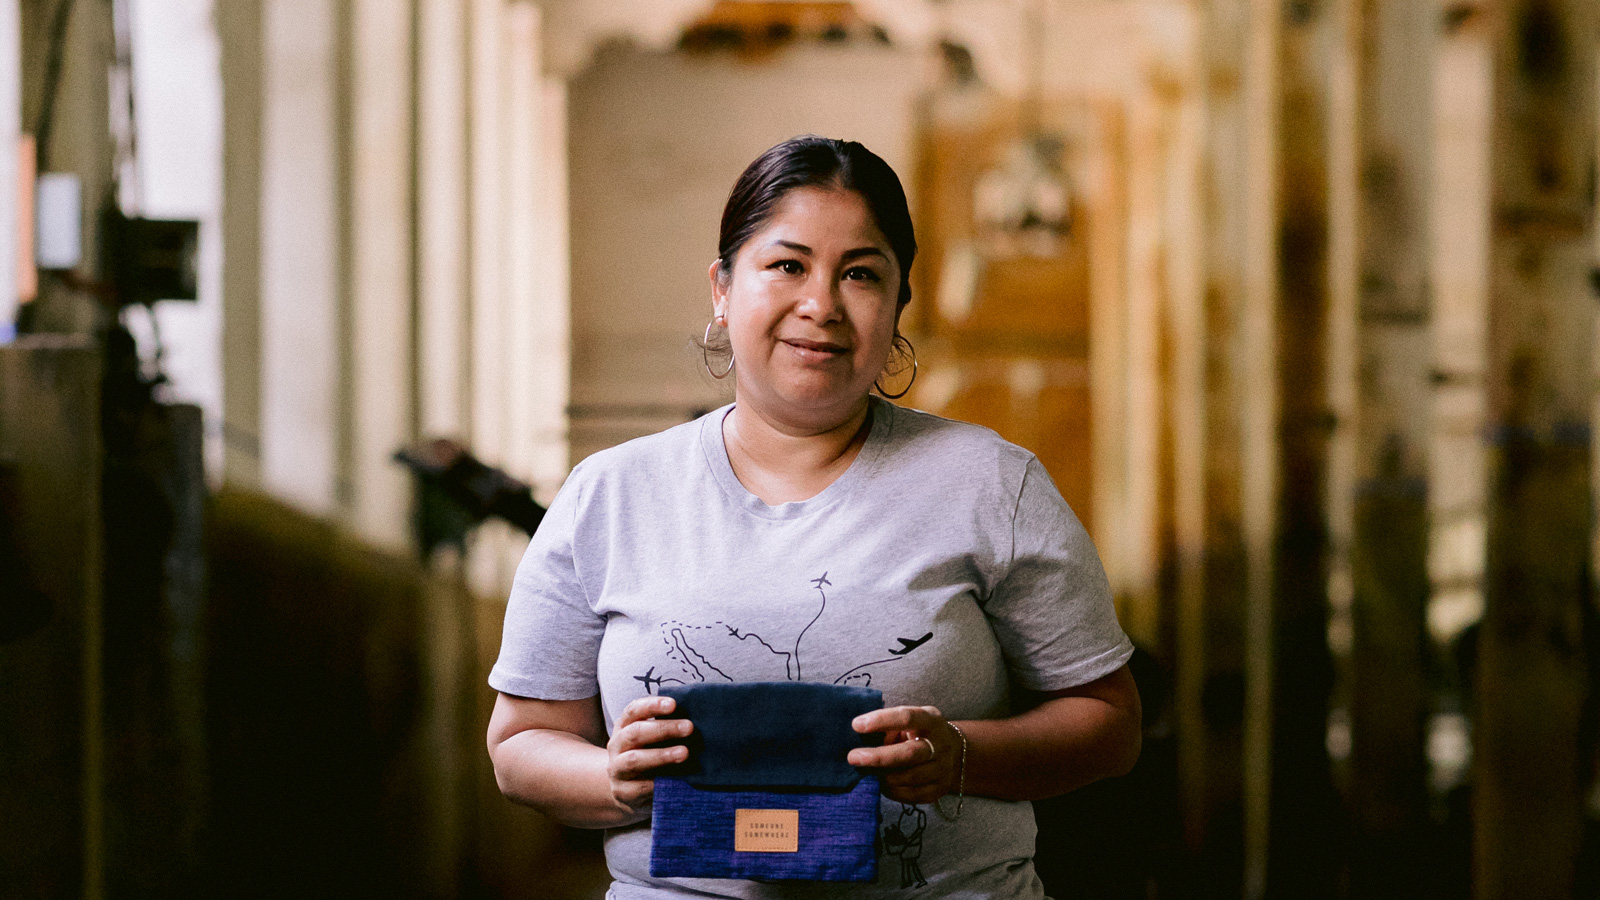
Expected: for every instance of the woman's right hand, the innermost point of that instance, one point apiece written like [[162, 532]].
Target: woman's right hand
[[634, 761]]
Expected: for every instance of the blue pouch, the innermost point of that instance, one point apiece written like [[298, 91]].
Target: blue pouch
[[766, 793]]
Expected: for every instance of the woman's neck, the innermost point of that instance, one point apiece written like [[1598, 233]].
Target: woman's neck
[[781, 463]]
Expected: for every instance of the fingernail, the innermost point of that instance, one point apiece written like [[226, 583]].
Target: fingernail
[[680, 752]]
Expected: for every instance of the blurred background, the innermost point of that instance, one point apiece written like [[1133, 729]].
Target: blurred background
[[306, 305]]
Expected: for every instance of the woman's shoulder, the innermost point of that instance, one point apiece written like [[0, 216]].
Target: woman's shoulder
[[648, 457], [934, 445], [923, 432]]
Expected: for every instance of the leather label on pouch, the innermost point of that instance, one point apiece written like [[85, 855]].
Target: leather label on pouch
[[766, 831]]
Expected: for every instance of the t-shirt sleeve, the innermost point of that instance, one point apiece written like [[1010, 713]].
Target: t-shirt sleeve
[[551, 641], [1051, 608]]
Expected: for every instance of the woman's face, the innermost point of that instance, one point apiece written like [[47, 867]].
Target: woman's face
[[811, 308]]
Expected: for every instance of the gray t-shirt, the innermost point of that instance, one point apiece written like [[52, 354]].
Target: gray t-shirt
[[941, 567]]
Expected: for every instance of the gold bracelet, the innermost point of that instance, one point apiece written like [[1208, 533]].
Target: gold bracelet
[[961, 779]]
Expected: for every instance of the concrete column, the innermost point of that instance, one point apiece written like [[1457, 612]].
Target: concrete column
[[240, 31], [442, 223], [551, 344], [1531, 659], [487, 561], [442, 384], [382, 413], [300, 245], [536, 332]]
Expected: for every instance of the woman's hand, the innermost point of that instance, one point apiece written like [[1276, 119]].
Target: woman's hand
[[921, 752], [633, 760]]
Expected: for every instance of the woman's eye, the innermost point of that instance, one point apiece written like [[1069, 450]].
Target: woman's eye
[[788, 266], [862, 273]]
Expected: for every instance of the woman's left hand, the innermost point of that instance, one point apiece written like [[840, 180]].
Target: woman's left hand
[[921, 752]]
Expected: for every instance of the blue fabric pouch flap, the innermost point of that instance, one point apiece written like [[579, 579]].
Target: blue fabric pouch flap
[[766, 792]]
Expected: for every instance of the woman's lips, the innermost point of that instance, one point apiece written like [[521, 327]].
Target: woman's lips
[[816, 351], [822, 347]]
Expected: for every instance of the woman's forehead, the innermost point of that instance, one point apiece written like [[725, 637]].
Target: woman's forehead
[[809, 215]]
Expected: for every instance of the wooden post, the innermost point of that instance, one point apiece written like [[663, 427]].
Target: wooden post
[[1210, 695], [1303, 807], [1379, 390], [1258, 395], [1531, 663]]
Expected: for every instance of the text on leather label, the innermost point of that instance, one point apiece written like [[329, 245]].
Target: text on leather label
[[766, 831]]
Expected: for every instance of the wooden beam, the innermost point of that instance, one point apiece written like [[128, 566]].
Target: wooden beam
[[1532, 676]]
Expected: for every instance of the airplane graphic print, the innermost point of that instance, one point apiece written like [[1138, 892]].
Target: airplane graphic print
[[724, 651]]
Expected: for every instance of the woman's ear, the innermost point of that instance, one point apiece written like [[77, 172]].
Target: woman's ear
[[719, 296]]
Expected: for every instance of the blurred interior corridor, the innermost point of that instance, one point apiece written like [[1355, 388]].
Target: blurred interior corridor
[[1296, 301]]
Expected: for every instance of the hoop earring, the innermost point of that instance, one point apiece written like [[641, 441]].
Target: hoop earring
[[907, 388], [705, 355]]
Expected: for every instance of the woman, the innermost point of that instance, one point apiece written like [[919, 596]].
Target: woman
[[813, 532]]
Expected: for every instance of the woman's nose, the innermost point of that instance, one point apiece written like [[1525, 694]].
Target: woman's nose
[[821, 301]]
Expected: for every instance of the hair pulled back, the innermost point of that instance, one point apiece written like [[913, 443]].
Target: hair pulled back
[[812, 161]]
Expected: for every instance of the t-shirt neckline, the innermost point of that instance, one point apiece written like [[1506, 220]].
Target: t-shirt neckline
[[716, 453]]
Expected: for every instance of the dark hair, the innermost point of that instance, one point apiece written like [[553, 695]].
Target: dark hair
[[812, 161]]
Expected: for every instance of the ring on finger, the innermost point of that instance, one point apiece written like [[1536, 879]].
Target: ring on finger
[[931, 751]]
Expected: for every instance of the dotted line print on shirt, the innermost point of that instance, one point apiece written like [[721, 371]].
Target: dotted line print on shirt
[[722, 651]]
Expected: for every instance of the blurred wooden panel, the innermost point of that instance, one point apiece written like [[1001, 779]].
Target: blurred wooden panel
[[1002, 324], [1040, 405], [1532, 736]]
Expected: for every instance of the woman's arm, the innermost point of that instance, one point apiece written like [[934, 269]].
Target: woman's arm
[[1074, 737], [553, 755]]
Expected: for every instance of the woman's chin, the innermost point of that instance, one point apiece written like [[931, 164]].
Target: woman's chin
[[815, 404]]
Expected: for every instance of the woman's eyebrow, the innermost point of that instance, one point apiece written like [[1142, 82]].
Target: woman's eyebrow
[[848, 255], [859, 252]]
